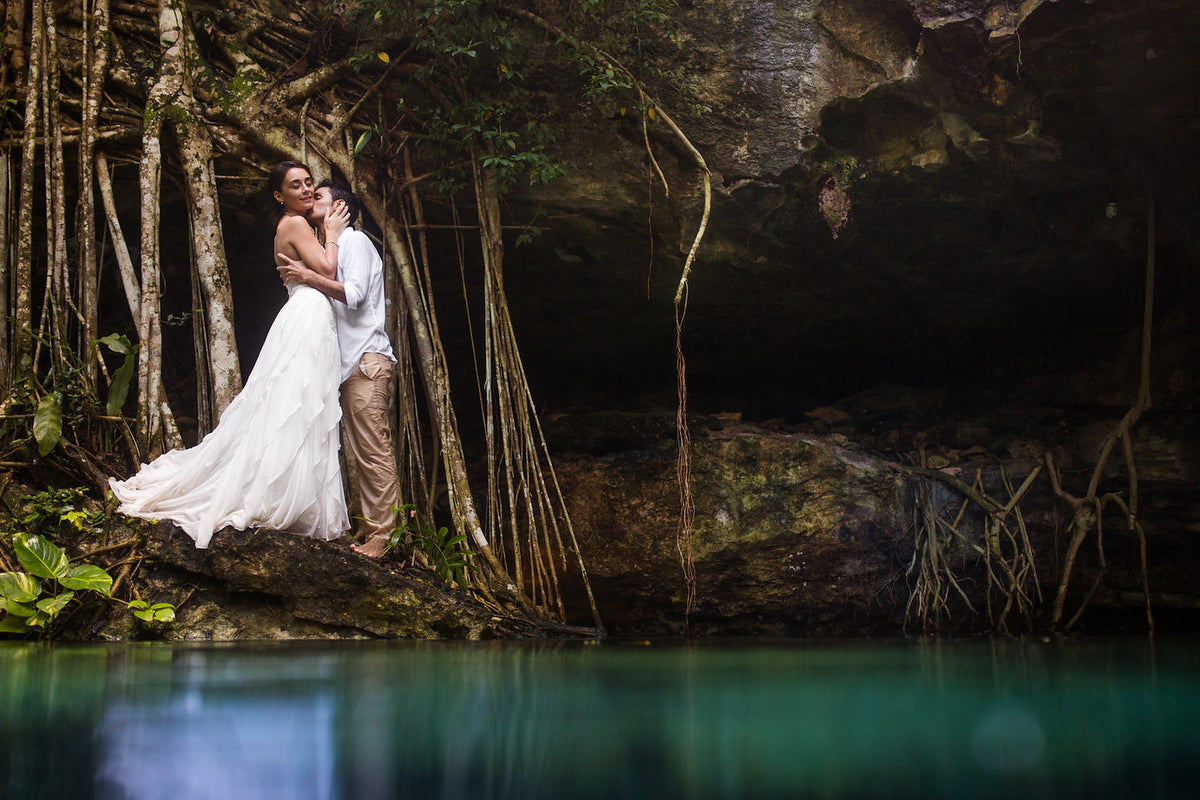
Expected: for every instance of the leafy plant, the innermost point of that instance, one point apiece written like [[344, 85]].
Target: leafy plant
[[66, 403], [47, 423], [118, 387], [34, 598], [159, 612], [47, 509], [443, 552]]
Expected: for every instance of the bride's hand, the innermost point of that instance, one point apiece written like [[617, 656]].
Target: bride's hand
[[337, 219]]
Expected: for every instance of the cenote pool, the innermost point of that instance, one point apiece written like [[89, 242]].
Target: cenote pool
[[973, 719]]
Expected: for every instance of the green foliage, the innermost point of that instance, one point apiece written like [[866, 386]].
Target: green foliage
[[34, 598], [47, 423], [601, 80], [118, 387], [527, 236], [363, 139], [474, 60], [842, 166], [443, 552], [157, 613], [43, 512], [44, 410]]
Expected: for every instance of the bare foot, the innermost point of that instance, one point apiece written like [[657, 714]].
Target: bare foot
[[375, 547]]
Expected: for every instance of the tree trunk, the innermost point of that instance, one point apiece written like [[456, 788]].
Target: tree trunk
[[23, 275], [129, 278], [209, 261], [151, 400], [5, 265], [12, 62], [95, 53], [212, 269], [58, 287], [14, 38]]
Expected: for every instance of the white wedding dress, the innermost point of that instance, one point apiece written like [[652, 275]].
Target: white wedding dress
[[272, 460]]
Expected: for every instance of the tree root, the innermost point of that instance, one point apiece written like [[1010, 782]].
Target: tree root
[[1011, 574]]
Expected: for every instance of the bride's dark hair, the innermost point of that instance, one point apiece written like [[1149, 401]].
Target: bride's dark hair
[[275, 184]]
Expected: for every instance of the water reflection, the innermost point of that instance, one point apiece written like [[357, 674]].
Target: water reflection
[[981, 719]]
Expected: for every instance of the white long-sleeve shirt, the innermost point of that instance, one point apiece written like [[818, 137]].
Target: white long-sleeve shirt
[[362, 319]]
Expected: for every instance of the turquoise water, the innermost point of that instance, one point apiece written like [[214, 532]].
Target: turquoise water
[[1095, 719]]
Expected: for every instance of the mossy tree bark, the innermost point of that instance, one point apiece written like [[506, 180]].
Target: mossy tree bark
[[219, 354]]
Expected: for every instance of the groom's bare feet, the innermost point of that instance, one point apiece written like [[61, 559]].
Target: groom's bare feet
[[375, 547]]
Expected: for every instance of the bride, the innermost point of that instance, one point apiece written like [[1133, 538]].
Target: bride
[[272, 460]]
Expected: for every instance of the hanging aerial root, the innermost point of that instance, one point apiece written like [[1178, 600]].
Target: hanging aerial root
[[1088, 510], [687, 510], [1007, 554]]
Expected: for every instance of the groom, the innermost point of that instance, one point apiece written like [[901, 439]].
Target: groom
[[367, 359]]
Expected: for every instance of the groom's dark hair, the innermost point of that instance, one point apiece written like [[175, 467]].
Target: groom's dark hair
[[340, 191]]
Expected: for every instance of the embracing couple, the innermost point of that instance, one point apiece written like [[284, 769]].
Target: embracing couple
[[272, 460]]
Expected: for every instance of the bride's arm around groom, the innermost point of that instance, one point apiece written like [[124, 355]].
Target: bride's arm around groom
[[366, 355]]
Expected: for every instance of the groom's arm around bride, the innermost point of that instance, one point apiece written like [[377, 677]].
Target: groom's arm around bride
[[367, 360]]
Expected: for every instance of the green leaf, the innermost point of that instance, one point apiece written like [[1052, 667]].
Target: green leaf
[[76, 518], [41, 557], [47, 424], [88, 576], [13, 625], [118, 343], [118, 386], [18, 609], [20, 587], [52, 605], [38, 620], [363, 138], [163, 612]]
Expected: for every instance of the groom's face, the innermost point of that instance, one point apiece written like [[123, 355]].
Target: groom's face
[[321, 201]]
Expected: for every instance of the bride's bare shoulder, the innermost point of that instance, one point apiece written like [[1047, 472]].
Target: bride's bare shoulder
[[292, 225]]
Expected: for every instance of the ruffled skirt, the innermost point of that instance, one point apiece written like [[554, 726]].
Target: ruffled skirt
[[272, 460]]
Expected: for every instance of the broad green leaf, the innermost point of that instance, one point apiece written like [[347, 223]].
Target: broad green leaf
[[138, 604], [118, 386], [47, 424], [19, 586], [41, 557], [118, 343], [145, 616], [88, 576], [18, 609], [38, 620], [52, 605], [163, 612], [13, 625]]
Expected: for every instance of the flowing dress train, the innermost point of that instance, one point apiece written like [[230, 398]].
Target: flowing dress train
[[272, 460]]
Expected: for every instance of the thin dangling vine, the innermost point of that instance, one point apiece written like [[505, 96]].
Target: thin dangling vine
[[683, 435]]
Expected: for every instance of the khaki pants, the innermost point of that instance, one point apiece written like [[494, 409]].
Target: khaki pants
[[364, 398]]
